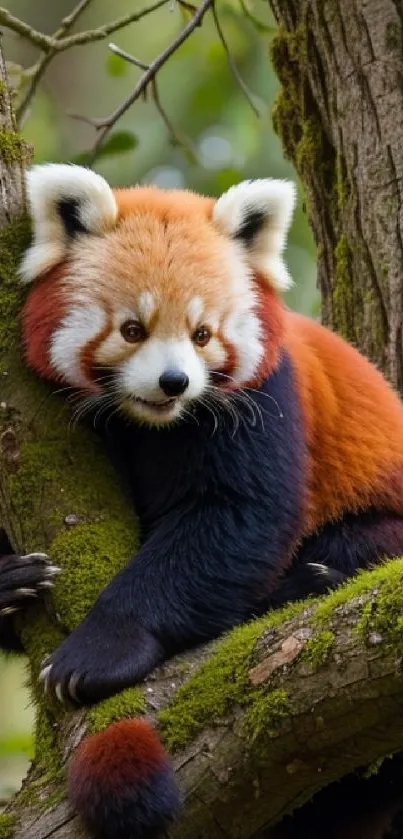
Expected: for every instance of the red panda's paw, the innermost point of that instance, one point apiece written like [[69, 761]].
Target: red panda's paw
[[23, 578], [122, 784], [100, 658]]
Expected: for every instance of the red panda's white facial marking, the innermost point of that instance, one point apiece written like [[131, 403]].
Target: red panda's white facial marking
[[162, 298], [79, 327]]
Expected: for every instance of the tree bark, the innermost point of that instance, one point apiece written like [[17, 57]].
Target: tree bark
[[340, 116], [262, 723]]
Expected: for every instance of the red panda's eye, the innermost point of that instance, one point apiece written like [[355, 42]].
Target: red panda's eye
[[133, 331], [201, 336]]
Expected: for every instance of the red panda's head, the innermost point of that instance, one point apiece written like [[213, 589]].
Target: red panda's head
[[153, 295]]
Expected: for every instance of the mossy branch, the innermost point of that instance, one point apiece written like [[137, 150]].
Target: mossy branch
[[258, 722]]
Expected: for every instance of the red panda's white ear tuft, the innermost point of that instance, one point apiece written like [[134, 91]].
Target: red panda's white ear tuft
[[64, 201], [258, 214]]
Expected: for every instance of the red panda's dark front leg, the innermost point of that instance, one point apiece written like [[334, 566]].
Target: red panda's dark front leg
[[147, 614]]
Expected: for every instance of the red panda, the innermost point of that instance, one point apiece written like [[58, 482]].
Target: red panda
[[265, 455]]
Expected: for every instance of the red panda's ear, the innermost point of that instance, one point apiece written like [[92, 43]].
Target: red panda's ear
[[258, 214], [64, 201]]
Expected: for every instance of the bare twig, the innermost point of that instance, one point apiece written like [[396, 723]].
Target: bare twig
[[128, 57], [39, 69], [104, 126], [108, 28], [176, 139], [231, 61]]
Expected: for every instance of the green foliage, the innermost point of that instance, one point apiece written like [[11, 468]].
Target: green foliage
[[12, 240], [118, 143]]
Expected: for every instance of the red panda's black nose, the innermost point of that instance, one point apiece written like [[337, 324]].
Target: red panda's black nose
[[173, 382]]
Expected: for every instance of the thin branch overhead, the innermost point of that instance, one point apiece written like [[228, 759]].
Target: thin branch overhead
[[51, 45], [40, 68]]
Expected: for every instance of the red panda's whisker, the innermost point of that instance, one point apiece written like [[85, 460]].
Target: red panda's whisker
[[225, 404], [205, 404], [242, 390], [227, 401]]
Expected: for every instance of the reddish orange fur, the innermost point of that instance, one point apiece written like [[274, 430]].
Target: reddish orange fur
[[42, 313], [129, 749], [354, 424]]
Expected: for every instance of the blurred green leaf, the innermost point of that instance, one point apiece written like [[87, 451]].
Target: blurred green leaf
[[117, 143], [81, 159], [116, 66]]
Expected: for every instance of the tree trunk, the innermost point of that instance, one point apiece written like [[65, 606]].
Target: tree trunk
[[290, 703], [340, 116]]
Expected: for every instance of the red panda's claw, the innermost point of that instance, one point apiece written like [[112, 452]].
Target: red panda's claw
[[59, 693], [72, 688], [44, 676]]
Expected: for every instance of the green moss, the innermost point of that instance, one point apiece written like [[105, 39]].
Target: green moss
[[342, 291], [342, 184], [129, 703], [47, 753], [388, 578], [215, 688], [7, 824], [288, 55], [90, 555], [12, 147], [13, 239], [296, 118], [220, 683], [374, 767], [264, 713], [317, 649]]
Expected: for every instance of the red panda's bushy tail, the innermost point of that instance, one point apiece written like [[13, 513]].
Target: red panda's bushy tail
[[122, 783]]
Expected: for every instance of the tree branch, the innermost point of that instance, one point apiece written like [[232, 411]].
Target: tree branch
[[105, 125], [39, 69], [12, 157], [237, 76], [261, 721], [54, 42]]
